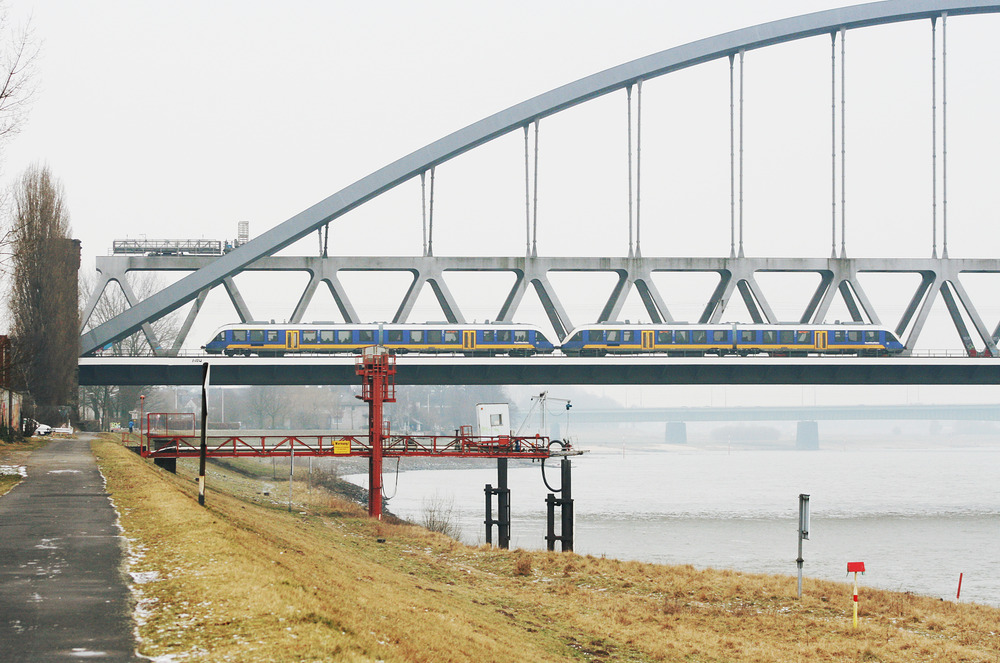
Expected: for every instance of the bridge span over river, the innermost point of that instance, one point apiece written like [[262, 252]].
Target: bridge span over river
[[459, 370]]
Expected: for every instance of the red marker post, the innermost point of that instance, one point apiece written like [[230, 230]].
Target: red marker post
[[855, 568]]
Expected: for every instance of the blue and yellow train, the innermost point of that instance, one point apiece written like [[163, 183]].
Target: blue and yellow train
[[270, 340], [682, 339]]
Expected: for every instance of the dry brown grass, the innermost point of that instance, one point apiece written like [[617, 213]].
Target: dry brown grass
[[244, 580], [16, 453]]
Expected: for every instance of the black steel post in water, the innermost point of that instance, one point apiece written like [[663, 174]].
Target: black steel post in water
[[567, 506], [503, 504], [204, 434], [489, 514], [550, 520]]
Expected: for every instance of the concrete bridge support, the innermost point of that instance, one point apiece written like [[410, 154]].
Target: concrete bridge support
[[676, 432], [807, 436]]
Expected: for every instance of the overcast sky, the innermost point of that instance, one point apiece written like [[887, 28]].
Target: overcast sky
[[177, 120]]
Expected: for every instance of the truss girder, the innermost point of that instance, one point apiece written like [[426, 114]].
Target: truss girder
[[512, 119], [838, 277]]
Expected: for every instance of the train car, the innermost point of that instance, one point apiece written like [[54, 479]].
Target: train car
[[675, 340], [799, 340], [270, 340], [685, 339]]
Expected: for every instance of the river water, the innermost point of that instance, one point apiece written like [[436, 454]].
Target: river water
[[917, 518]]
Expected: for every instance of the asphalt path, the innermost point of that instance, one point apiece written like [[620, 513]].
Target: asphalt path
[[63, 595]]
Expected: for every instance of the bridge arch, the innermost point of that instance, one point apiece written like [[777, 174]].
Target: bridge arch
[[512, 119]]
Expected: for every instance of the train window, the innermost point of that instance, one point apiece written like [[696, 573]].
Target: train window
[[326, 336], [239, 335], [838, 336], [366, 335], [308, 336], [394, 336], [746, 336], [682, 336], [803, 337], [594, 336], [540, 337], [272, 335], [769, 337], [577, 337], [871, 337], [451, 337], [520, 336], [417, 336], [719, 336], [786, 337], [663, 337], [344, 336], [627, 336], [503, 336], [612, 336], [256, 335], [854, 336], [433, 335], [488, 336], [221, 336], [699, 337], [891, 338]]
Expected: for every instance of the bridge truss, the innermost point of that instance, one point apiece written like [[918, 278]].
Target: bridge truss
[[737, 273]]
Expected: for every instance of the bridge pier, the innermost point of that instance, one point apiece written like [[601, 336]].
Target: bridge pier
[[565, 504], [807, 436], [502, 520], [676, 432]]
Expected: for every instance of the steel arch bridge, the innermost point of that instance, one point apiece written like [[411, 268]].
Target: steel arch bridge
[[838, 274]]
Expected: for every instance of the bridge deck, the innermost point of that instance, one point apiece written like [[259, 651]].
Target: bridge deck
[[316, 370]]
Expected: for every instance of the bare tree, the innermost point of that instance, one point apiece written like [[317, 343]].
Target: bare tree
[[43, 295], [17, 56], [269, 405], [114, 403]]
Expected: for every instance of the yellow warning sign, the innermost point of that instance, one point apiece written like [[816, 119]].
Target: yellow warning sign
[[341, 447]]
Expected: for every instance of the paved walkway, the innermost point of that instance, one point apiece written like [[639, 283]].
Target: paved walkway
[[62, 593]]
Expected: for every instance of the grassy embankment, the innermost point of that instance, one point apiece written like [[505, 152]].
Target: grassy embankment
[[244, 580]]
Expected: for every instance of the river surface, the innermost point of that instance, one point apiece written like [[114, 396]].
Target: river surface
[[917, 518]]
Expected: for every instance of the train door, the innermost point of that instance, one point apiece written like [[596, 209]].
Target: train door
[[292, 340], [469, 339], [821, 340], [647, 339]]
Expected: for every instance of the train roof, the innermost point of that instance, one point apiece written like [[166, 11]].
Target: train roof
[[376, 325]]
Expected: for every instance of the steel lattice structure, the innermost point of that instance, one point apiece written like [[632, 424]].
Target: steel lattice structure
[[737, 273]]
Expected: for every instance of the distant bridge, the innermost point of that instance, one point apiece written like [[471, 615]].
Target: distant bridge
[[918, 412]]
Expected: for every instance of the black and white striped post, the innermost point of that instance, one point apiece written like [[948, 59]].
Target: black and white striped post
[[204, 433]]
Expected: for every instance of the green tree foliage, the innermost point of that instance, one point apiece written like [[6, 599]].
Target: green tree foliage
[[43, 294]]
